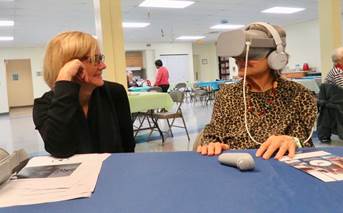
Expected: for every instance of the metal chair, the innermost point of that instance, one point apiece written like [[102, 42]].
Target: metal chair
[[198, 93], [180, 86], [177, 97], [330, 108]]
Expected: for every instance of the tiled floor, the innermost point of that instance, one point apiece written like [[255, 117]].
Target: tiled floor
[[17, 131]]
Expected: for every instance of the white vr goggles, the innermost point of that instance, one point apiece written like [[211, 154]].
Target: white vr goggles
[[234, 44]]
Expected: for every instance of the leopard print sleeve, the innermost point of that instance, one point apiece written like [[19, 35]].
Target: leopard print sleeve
[[210, 133], [305, 113]]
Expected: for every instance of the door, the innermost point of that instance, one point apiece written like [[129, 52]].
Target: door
[[196, 67], [19, 82]]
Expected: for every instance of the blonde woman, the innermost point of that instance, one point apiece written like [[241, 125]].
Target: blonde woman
[[81, 113]]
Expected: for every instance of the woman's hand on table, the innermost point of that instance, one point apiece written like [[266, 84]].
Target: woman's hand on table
[[212, 148], [282, 143]]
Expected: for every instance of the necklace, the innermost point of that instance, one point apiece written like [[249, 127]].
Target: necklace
[[261, 105]]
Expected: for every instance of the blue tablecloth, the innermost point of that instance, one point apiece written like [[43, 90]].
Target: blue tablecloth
[[188, 182], [213, 84], [139, 89]]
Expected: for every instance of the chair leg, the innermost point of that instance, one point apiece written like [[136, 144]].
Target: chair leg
[[151, 127], [170, 130], [140, 125], [158, 128], [184, 124], [172, 123]]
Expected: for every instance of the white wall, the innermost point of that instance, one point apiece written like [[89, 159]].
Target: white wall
[[154, 51], [36, 57], [207, 53], [303, 44]]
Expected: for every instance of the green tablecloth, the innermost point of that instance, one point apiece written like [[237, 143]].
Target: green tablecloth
[[143, 101]]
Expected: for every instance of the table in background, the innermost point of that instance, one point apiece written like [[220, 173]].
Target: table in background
[[213, 84], [300, 74], [139, 89], [143, 103], [188, 182], [309, 83]]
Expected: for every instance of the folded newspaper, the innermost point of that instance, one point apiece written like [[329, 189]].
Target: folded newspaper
[[320, 164], [47, 179]]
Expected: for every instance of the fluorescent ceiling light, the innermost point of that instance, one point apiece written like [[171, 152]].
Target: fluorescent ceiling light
[[227, 26], [135, 24], [190, 37], [166, 3], [6, 38], [6, 0], [6, 23], [283, 10]]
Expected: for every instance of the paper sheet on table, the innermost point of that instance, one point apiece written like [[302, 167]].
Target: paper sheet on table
[[47, 179], [320, 164]]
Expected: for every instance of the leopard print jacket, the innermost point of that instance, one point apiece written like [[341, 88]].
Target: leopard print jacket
[[289, 109]]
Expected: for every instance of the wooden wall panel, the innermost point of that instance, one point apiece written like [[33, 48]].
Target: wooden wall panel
[[134, 59]]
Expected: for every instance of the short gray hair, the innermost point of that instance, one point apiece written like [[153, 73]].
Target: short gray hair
[[337, 55]]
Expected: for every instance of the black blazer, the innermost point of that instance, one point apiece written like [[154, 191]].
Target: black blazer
[[330, 107], [59, 118]]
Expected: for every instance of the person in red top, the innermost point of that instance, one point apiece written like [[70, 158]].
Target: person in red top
[[162, 76]]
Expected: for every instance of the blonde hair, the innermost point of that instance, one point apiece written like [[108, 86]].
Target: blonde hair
[[63, 48]]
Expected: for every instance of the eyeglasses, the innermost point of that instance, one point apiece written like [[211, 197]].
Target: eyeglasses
[[97, 59]]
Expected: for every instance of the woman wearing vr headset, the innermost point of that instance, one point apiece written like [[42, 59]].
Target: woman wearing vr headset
[[81, 113], [263, 111]]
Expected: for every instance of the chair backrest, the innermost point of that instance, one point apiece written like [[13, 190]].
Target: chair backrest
[[177, 96], [179, 86], [155, 89]]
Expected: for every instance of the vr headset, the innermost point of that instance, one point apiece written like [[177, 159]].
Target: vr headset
[[234, 44], [10, 164]]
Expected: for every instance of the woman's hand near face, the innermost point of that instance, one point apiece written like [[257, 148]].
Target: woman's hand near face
[[212, 148], [282, 143], [73, 70]]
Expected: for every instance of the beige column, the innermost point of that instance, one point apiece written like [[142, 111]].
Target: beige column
[[330, 32], [108, 19]]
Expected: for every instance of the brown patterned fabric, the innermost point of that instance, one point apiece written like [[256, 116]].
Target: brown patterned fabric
[[288, 110]]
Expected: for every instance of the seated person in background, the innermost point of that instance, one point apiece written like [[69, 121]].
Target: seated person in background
[[335, 75], [130, 81], [279, 113], [330, 107], [82, 113]]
